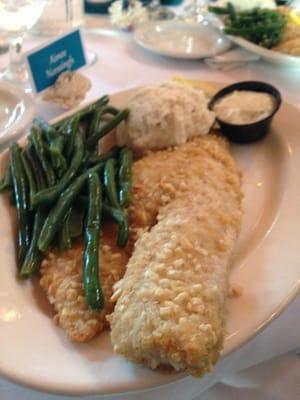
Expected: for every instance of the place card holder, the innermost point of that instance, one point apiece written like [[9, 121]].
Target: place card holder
[[47, 62]]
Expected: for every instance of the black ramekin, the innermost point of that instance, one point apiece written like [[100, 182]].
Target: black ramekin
[[247, 133]]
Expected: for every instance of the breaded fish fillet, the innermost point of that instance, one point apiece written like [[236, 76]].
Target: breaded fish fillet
[[62, 281], [186, 214]]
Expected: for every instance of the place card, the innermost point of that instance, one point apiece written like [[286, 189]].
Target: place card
[[46, 63]]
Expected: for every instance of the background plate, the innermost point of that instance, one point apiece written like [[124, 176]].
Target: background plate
[[36, 353], [181, 40], [269, 55]]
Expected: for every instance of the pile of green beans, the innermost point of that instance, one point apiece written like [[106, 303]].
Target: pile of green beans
[[63, 189], [261, 26]]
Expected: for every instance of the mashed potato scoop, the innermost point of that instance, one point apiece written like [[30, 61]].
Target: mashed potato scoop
[[165, 115]]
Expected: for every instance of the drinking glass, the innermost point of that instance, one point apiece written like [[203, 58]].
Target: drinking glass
[[157, 12], [196, 10], [3, 45], [58, 17], [17, 17]]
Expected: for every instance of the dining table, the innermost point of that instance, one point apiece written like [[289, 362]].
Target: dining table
[[268, 366]]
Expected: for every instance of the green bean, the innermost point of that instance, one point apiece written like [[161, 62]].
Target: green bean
[[97, 117], [36, 167], [55, 144], [109, 126], [48, 131], [125, 179], [64, 236], [109, 179], [12, 198], [37, 140], [93, 292], [65, 128], [34, 256], [58, 160], [49, 195], [57, 213], [96, 158], [76, 221], [6, 182], [30, 178], [21, 198], [81, 201], [120, 217], [73, 129], [85, 112]]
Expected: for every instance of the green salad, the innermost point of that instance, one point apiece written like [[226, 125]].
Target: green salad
[[261, 26]]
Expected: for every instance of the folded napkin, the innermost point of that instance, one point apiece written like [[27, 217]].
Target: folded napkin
[[275, 379]]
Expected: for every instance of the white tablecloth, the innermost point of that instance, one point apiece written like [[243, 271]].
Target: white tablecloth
[[121, 65]]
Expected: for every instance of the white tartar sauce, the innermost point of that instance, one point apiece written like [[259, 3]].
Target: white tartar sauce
[[244, 107]]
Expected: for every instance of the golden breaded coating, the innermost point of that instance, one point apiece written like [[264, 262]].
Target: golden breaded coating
[[171, 301], [62, 281]]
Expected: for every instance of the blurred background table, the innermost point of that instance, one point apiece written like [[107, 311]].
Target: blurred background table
[[121, 65]]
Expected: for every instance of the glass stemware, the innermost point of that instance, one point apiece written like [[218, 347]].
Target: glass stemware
[[3, 45], [196, 10], [16, 18], [52, 23], [157, 12]]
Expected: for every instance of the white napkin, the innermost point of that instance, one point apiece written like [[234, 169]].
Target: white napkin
[[276, 379]]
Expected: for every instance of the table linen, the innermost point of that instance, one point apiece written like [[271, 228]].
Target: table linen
[[271, 356]]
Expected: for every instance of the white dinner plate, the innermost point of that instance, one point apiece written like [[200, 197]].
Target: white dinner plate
[[272, 56], [182, 40], [16, 111], [37, 353]]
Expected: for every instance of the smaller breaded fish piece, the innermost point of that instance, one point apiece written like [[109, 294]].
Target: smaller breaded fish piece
[[62, 281]]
